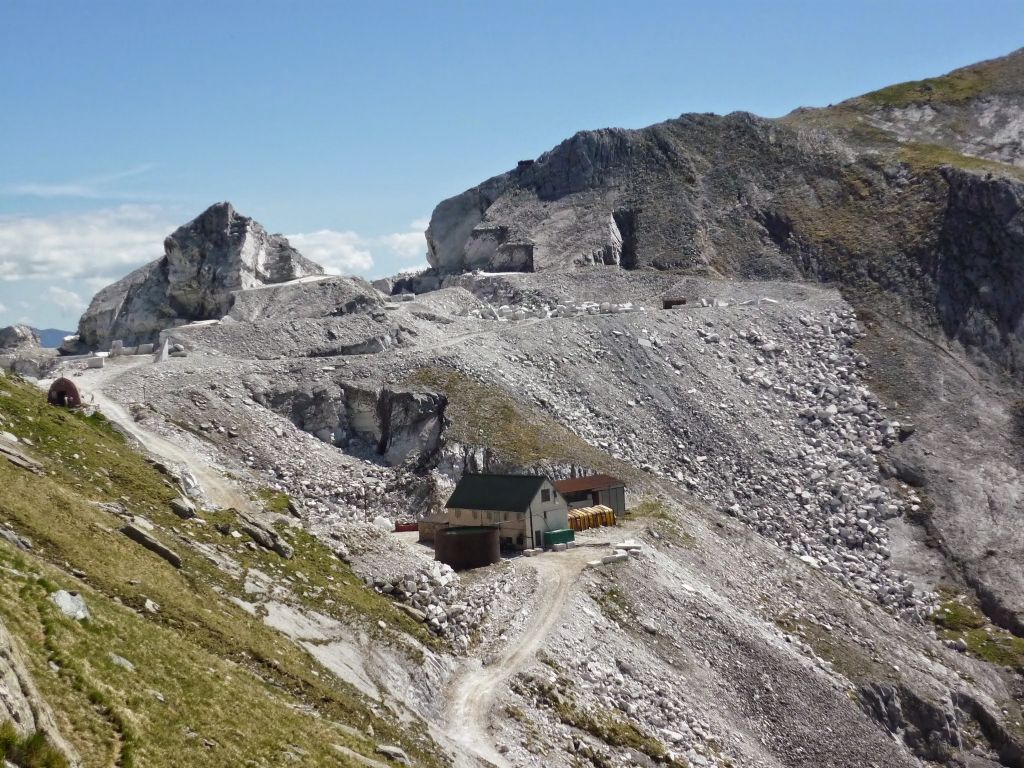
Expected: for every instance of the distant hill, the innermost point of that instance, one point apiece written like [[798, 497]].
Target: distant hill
[[52, 337]]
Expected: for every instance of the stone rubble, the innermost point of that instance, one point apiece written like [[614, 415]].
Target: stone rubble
[[815, 486], [435, 595], [543, 311]]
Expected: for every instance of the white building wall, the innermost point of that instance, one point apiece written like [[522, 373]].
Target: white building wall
[[550, 515]]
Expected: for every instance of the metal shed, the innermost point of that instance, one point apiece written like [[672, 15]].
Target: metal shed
[[593, 490], [64, 393], [467, 546]]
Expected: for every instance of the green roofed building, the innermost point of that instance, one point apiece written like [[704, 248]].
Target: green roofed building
[[522, 507]]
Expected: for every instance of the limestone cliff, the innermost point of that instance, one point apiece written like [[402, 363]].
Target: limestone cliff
[[915, 189], [204, 262], [17, 337]]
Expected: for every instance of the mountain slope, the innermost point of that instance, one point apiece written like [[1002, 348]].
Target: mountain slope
[[851, 194], [205, 682], [824, 562]]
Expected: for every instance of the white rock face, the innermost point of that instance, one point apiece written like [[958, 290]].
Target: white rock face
[[15, 337], [204, 262]]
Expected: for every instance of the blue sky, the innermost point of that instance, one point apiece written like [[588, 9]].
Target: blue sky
[[345, 123]]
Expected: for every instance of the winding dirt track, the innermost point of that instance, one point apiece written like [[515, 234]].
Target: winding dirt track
[[219, 490], [472, 694]]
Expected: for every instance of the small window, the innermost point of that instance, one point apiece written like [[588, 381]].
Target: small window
[[545, 495]]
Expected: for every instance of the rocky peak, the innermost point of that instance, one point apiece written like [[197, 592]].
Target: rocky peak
[[15, 337], [233, 248], [205, 261], [884, 191]]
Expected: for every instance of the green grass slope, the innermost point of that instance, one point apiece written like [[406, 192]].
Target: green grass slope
[[211, 685]]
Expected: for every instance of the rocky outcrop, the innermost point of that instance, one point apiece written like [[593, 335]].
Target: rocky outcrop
[[390, 425], [979, 277], [16, 338], [976, 110], [21, 703], [888, 191], [204, 263]]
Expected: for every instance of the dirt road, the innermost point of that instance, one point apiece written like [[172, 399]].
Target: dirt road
[[472, 693], [220, 491]]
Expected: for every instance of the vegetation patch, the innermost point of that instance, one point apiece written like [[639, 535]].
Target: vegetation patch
[[211, 684], [31, 751], [611, 729], [959, 619], [955, 87], [273, 500], [923, 157], [846, 657], [662, 519], [649, 509], [615, 605], [485, 414]]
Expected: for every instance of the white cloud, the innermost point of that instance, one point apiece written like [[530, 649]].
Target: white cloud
[[408, 245], [3, 307], [348, 252], [68, 301], [337, 252], [92, 187], [81, 245]]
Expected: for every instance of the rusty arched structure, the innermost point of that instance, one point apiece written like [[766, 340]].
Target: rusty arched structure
[[63, 392]]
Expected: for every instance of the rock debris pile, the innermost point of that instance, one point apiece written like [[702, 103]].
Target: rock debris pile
[[596, 689], [542, 311], [434, 594], [778, 428]]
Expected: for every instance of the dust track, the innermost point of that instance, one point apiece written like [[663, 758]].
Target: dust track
[[473, 692], [218, 489]]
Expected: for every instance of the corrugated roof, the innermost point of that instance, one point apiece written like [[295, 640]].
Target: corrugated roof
[[588, 483], [497, 493]]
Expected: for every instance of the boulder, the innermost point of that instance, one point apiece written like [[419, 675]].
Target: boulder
[[267, 538], [139, 536], [18, 337], [183, 508], [395, 753], [204, 262], [71, 604], [121, 661]]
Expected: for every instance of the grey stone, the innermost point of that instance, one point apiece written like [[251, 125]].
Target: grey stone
[[71, 604], [204, 261], [122, 662], [183, 508], [139, 536], [395, 753], [18, 338]]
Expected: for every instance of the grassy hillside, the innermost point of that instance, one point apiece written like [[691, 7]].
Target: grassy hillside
[[485, 414], [211, 684]]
